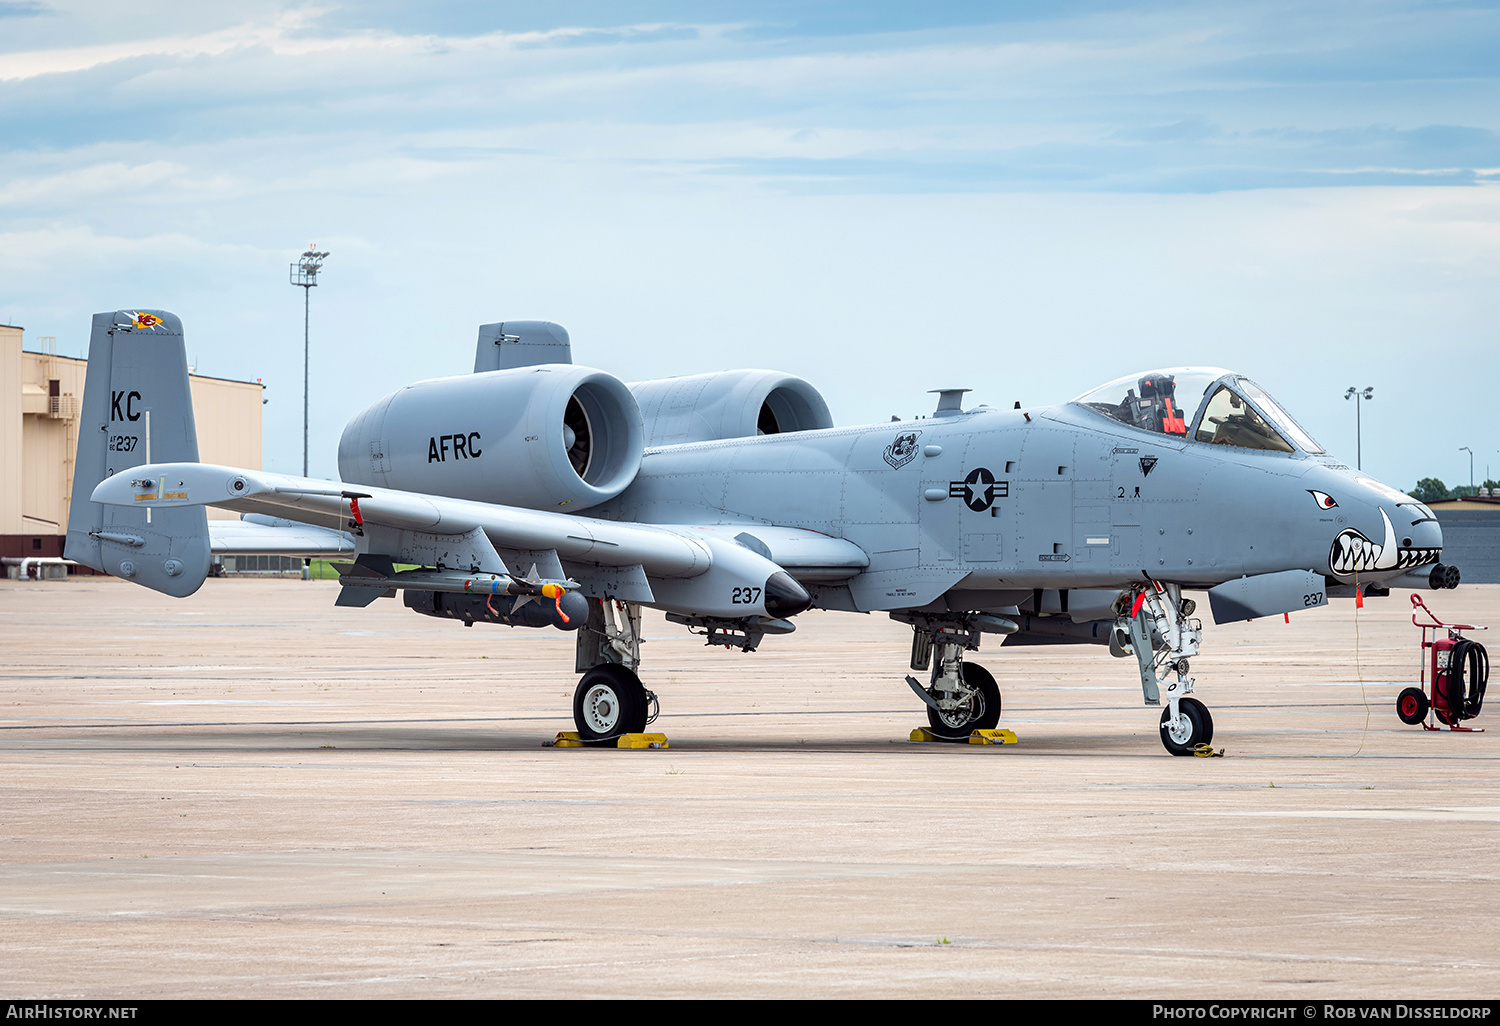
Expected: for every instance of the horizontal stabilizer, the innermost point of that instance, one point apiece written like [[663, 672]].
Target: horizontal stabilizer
[[286, 538]]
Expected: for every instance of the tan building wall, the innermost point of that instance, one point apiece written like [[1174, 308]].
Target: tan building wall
[[1476, 504], [41, 399], [10, 431]]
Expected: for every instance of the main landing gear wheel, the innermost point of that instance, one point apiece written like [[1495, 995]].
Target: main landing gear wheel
[[981, 712], [1411, 706], [610, 701], [1193, 727]]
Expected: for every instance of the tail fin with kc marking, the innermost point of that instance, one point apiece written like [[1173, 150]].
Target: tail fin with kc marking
[[137, 409]]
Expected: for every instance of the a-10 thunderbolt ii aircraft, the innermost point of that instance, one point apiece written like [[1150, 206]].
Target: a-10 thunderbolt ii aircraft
[[535, 492]]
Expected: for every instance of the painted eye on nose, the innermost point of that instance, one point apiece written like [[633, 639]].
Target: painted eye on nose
[[1323, 499]]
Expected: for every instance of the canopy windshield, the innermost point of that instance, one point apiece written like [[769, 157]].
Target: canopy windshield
[[1163, 402], [1282, 419], [1227, 408]]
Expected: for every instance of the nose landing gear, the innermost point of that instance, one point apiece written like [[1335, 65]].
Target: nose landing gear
[[1164, 636], [1191, 727]]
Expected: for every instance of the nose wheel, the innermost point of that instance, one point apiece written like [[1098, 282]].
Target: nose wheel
[[609, 701], [1191, 727]]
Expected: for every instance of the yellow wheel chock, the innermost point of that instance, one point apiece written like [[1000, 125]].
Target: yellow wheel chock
[[571, 739], [979, 737]]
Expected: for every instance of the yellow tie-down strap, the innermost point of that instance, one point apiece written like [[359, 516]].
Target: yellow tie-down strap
[[979, 737], [571, 739]]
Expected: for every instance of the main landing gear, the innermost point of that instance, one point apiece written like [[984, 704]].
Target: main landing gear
[[610, 699], [962, 697], [1164, 636]]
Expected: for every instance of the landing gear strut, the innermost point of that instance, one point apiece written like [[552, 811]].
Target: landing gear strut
[[610, 700], [962, 697], [1164, 636]]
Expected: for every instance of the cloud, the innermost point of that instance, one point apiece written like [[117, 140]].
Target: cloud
[[685, 183], [1080, 97], [610, 37]]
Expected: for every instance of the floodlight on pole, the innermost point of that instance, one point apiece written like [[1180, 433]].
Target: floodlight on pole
[[1465, 448], [305, 273], [1358, 397]]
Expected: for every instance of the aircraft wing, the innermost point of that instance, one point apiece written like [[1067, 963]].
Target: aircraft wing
[[703, 569]]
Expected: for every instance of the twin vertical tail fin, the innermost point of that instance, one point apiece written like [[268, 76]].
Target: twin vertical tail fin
[[137, 409]]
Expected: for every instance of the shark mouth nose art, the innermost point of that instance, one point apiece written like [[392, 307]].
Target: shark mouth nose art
[[1353, 552]]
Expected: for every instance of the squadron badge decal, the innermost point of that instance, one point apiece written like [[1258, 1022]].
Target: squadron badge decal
[[141, 320], [903, 450]]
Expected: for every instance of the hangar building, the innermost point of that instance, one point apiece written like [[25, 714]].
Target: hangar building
[[41, 400], [1471, 537]]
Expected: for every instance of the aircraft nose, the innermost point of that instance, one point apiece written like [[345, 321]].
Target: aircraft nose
[[1416, 532], [1387, 530], [1421, 532]]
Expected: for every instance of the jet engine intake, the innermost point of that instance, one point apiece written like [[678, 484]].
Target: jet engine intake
[[733, 404], [555, 436]]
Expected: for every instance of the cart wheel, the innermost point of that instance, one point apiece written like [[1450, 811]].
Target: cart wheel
[[1411, 706]]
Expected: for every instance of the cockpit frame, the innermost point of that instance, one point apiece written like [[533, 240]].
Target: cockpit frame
[[1150, 404]]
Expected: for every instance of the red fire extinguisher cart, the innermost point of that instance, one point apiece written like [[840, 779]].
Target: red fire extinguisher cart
[[1453, 676]]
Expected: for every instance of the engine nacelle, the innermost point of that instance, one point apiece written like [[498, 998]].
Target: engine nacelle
[[546, 437], [731, 404]]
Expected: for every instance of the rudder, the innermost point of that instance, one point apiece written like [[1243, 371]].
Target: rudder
[[137, 409]]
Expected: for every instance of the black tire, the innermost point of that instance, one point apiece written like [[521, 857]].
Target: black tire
[[983, 714], [609, 701], [1411, 706], [1196, 729]]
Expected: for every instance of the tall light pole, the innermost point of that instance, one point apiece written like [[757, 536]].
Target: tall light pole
[[1358, 397], [305, 273], [1465, 448]]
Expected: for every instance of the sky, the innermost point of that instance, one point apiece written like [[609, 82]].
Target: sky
[[1023, 199]]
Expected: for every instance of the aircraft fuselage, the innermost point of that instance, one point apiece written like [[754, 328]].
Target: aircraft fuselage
[[1058, 497]]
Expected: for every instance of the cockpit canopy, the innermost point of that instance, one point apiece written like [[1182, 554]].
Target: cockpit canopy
[[1204, 404]]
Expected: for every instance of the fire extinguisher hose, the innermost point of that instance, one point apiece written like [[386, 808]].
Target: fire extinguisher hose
[[1468, 658]]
